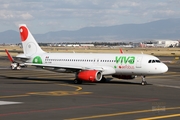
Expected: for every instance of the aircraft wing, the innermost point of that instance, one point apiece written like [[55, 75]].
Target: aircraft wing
[[54, 66], [104, 69]]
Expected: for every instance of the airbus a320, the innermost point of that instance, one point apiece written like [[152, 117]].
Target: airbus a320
[[91, 67]]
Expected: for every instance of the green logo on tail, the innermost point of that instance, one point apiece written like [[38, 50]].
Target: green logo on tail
[[37, 60]]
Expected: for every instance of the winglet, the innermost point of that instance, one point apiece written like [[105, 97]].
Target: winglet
[[9, 56]]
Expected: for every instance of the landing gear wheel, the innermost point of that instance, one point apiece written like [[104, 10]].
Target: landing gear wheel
[[76, 81], [18, 68], [143, 80], [144, 83], [12, 68]]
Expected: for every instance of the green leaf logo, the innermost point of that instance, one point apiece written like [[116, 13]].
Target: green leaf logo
[[37, 60]]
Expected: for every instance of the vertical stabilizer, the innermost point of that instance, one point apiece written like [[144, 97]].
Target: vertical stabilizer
[[30, 46]]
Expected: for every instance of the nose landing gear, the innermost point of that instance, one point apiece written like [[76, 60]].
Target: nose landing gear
[[143, 80]]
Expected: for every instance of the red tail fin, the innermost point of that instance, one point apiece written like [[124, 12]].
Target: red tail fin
[[9, 56], [121, 51]]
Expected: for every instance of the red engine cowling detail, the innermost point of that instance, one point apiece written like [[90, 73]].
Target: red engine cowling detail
[[124, 76], [89, 75]]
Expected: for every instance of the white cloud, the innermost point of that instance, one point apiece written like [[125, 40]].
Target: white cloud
[[26, 16], [74, 14], [125, 4], [5, 5], [5, 15]]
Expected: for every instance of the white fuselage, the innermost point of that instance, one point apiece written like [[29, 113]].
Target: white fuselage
[[109, 64], [90, 67]]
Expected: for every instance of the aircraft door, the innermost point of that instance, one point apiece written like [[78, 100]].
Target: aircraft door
[[138, 62]]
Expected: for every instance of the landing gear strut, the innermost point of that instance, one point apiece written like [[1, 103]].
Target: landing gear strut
[[77, 81], [15, 66], [143, 80]]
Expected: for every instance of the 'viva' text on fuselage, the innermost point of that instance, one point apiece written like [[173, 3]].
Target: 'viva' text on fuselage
[[125, 59]]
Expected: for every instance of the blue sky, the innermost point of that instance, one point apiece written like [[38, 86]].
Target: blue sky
[[42, 16]]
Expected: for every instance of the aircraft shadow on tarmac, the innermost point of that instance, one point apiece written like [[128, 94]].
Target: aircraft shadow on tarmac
[[70, 81]]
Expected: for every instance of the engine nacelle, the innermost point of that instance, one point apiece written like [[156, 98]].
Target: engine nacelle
[[89, 75], [124, 76]]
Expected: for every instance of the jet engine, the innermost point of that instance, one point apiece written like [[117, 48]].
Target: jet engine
[[124, 76], [89, 75]]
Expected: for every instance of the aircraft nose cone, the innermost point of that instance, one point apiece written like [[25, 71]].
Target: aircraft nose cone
[[164, 68]]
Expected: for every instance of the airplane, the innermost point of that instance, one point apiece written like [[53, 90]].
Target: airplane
[[89, 67], [121, 51], [14, 64]]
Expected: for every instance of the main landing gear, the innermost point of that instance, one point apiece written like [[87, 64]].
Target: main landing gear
[[77, 81], [15, 66], [143, 80]]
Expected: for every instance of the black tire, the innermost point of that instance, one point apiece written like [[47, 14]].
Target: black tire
[[76, 81], [144, 83]]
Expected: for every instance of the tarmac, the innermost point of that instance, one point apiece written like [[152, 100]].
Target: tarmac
[[34, 94]]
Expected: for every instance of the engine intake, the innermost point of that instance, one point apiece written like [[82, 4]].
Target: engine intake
[[89, 75]]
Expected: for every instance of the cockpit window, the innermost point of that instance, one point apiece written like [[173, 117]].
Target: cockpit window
[[157, 61], [154, 61]]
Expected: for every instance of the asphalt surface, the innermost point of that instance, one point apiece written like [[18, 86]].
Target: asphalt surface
[[34, 94]]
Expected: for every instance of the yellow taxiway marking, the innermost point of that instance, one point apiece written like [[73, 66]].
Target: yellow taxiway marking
[[160, 117], [118, 114], [51, 93], [78, 88], [14, 96], [58, 93]]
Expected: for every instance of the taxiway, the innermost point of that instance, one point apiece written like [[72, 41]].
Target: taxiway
[[36, 94]]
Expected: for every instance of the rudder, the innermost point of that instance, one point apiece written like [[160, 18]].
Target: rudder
[[30, 46]]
